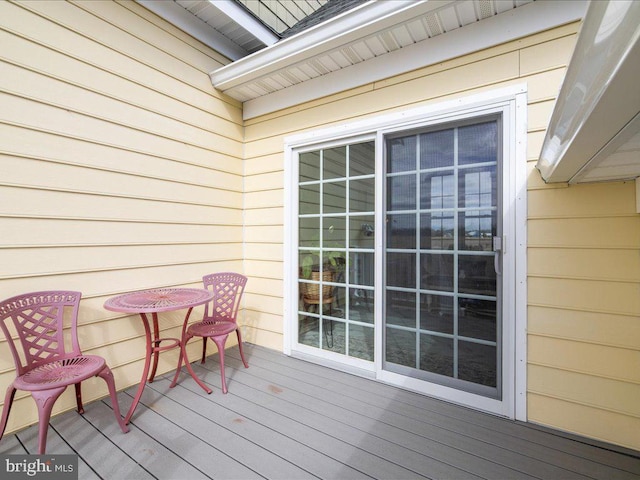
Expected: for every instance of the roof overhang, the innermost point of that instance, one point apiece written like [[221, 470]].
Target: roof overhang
[[594, 132], [189, 23], [398, 36], [245, 20]]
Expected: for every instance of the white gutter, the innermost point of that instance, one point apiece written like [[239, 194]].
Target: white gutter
[[352, 25], [600, 95], [510, 25], [189, 23]]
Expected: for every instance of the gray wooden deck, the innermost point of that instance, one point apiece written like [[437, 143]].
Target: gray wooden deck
[[288, 419]]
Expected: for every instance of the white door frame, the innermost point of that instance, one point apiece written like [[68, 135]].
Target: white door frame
[[511, 102]]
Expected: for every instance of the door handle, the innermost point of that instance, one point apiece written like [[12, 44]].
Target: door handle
[[499, 244]]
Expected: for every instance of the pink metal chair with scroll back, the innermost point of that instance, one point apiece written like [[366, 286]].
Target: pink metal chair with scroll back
[[219, 320], [47, 367]]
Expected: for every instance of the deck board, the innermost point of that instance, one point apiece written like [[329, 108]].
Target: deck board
[[285, 421], [342, 417], [537, 452], [285, 418]]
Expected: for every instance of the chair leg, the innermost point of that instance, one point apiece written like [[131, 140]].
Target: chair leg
[[204, 349], [220, 341], [8, 401], [107, 376], [45, 400], [183, 346], [192, 373], [246, 365], [79, 397]]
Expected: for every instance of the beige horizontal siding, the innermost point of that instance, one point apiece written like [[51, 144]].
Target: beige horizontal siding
[[121, 170], [615, 265], [584, 420], [607, 329], [585, 232]]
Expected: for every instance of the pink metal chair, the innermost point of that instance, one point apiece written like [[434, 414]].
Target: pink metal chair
[[218, 322], [45, 367]]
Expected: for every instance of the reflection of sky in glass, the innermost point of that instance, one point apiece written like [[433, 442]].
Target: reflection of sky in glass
[[436, 149], [402, 154], [477, 143], [401, 192]]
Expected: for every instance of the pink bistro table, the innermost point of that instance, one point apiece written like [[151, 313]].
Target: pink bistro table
[[155, 301]]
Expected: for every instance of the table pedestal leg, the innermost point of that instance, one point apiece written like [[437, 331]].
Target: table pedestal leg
[[145, 371], [156, 345]]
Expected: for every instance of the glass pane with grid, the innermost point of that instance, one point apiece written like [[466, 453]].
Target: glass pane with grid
[[336, 204], [441, 288]]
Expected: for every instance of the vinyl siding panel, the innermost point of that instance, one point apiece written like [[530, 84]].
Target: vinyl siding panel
[[121, 170], [583, 241], [584, 297]]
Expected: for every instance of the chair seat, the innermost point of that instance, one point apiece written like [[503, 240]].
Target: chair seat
[[205, 329], [60, 373]]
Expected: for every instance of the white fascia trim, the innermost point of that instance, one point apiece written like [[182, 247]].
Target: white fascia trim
[[245, 20], [352, 25], [520, 22], [189, 23]]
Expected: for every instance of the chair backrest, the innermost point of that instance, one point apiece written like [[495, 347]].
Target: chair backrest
[[227, 288], [38, 320]]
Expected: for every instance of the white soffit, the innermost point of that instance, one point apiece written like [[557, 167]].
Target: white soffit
[[196, 27], [378, 40], [224, 10], [594, 131]]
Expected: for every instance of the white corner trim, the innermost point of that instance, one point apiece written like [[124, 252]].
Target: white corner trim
[[288, 244], [520, 227], [523, 21], [185, 21]]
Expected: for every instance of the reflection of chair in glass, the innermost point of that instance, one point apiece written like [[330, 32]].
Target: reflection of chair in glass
[[218, 322], [311, 299], [48, 367]]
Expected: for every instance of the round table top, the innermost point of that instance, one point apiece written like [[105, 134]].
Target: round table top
[[158, 300]]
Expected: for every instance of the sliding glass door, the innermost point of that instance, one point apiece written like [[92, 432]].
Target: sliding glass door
[[400, 258], [442, 315], [336, 204]]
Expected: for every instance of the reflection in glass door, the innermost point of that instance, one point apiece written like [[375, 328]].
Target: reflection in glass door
[[442, 290], [336, 203]]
